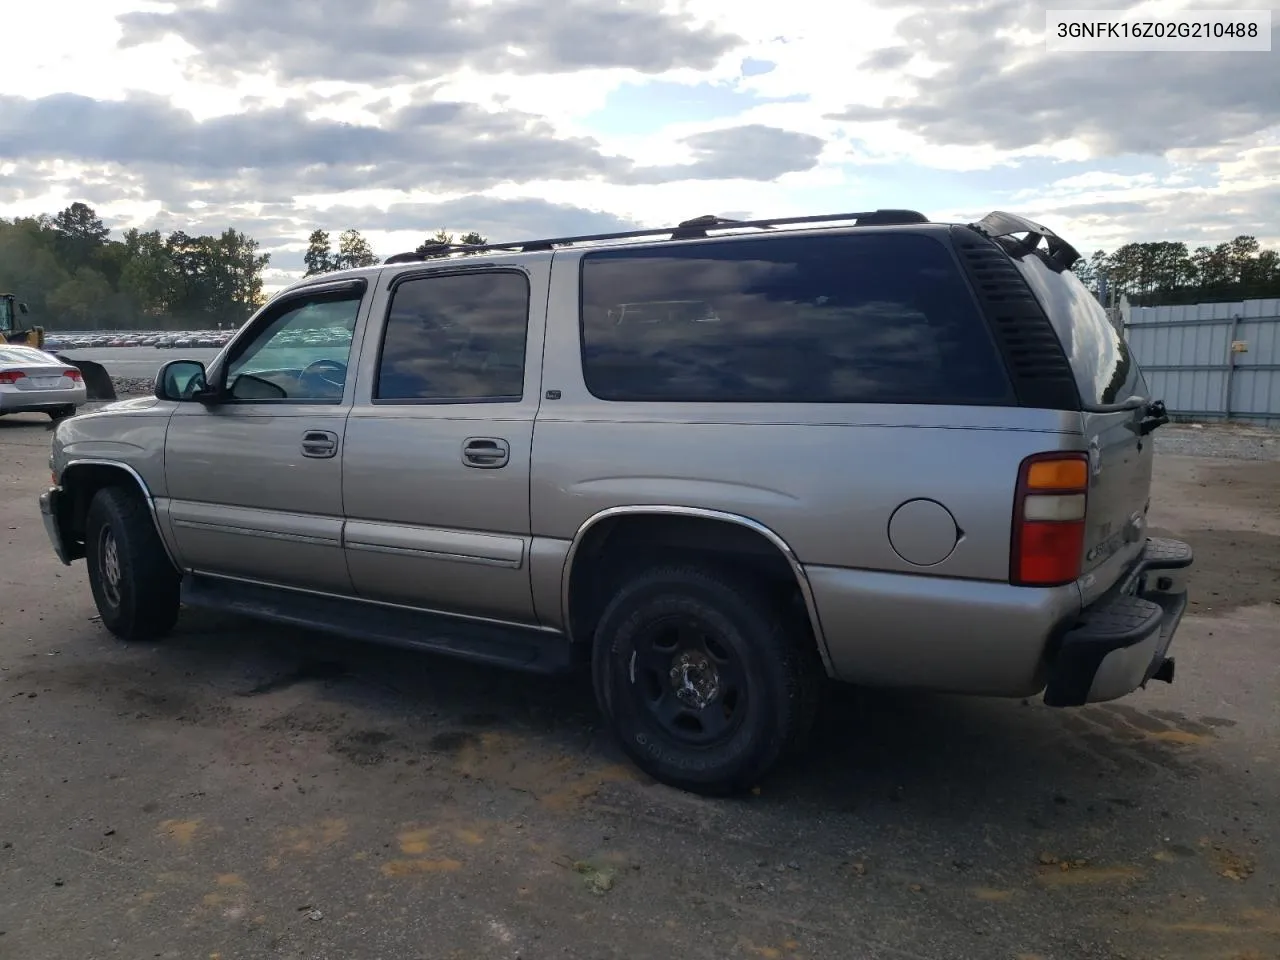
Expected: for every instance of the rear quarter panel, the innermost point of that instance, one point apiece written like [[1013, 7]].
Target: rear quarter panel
[[827, 479]]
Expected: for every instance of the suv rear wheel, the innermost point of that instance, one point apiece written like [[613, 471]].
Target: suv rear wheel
[[705, 680], [134, 584]]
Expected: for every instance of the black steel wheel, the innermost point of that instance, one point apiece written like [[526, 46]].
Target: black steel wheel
[[688, 678], [705, 680]]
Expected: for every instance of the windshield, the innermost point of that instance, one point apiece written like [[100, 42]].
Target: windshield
[[6, 315]]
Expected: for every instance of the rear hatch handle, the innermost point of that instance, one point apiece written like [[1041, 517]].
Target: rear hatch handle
[[1153, 415]]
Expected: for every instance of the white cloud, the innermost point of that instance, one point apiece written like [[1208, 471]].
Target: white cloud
[[938, 98]]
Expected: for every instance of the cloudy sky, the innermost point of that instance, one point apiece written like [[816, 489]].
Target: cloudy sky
[[521, 118]]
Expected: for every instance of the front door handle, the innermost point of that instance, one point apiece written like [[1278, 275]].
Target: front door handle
[[319, 444], [487, 453]]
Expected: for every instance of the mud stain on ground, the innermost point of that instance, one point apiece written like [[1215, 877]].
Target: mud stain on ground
[[181, 832], [363, 747], [409, 868], [308, 671], [1068, 875], [312, 837]]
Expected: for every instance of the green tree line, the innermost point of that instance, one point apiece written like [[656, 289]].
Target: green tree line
[[354, 250], [74, 276], [1168, 272]]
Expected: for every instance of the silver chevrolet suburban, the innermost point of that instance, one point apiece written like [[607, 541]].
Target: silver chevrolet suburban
[[720, 462]]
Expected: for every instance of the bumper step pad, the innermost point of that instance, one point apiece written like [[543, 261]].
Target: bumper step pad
[[1120, 620], [1164, 554]]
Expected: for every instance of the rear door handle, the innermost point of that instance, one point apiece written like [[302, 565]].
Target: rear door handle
[[319, 444], [487, 453]]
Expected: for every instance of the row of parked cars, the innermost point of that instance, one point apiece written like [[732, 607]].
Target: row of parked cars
[[318, 336], [196, 338]]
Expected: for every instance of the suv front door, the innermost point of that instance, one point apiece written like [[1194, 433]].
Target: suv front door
[[436, 461], [255, 475]]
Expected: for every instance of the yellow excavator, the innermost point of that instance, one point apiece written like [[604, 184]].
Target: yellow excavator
[[15, 330]]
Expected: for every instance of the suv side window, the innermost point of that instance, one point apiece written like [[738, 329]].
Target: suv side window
[[849, 318], [1106, 371], [301, 355], [455, 338]]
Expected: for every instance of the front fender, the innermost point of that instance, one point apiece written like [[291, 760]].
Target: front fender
[[79, 480]]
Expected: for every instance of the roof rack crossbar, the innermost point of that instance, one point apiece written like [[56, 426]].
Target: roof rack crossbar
[[697, 227]]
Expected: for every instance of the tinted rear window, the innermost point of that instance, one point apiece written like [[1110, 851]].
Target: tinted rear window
[[1106, 371], [455, 338], [854, 318]]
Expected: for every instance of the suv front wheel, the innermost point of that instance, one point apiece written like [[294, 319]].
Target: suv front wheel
[[134, 584], [705, 680]]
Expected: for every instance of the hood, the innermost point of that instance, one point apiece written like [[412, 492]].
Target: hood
[[124, 406]]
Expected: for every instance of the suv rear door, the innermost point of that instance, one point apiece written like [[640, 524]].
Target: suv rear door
[[1115, 398], [436, 461]]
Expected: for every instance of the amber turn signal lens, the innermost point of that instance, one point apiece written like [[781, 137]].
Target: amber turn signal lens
[[1063, 474]]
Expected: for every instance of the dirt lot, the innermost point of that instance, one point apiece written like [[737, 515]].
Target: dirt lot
[[241, 791]]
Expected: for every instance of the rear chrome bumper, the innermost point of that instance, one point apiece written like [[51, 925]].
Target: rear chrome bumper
[[49, 514], [1121, 642]]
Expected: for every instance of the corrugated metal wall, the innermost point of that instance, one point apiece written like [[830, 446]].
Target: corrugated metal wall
[[1186, 354]]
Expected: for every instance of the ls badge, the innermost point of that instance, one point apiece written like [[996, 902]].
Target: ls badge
[[1095, 457]]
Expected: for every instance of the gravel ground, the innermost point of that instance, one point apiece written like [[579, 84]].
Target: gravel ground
[[1226, 440], [132, 386], [242, 790]]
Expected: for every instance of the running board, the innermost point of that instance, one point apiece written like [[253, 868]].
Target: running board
[[520, 648]]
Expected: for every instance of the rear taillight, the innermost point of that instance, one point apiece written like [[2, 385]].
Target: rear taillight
[[1048, 519], [11, 376], [73, 374]]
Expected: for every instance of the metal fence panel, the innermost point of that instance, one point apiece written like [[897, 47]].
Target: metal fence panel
[[1187, 354]]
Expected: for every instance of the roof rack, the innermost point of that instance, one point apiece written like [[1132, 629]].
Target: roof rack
[[411, 257], [698, 226], [685, 230], [999, 225]]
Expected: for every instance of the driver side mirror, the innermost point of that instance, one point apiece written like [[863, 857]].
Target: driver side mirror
[[22, 308], [181, 380]]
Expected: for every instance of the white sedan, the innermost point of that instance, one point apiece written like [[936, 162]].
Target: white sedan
[[32, 381]]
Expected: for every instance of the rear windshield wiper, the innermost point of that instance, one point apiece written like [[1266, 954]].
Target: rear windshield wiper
[[1133, 403], [1155, 415]]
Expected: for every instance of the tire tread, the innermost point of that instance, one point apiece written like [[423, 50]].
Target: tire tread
[[151, 603]]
